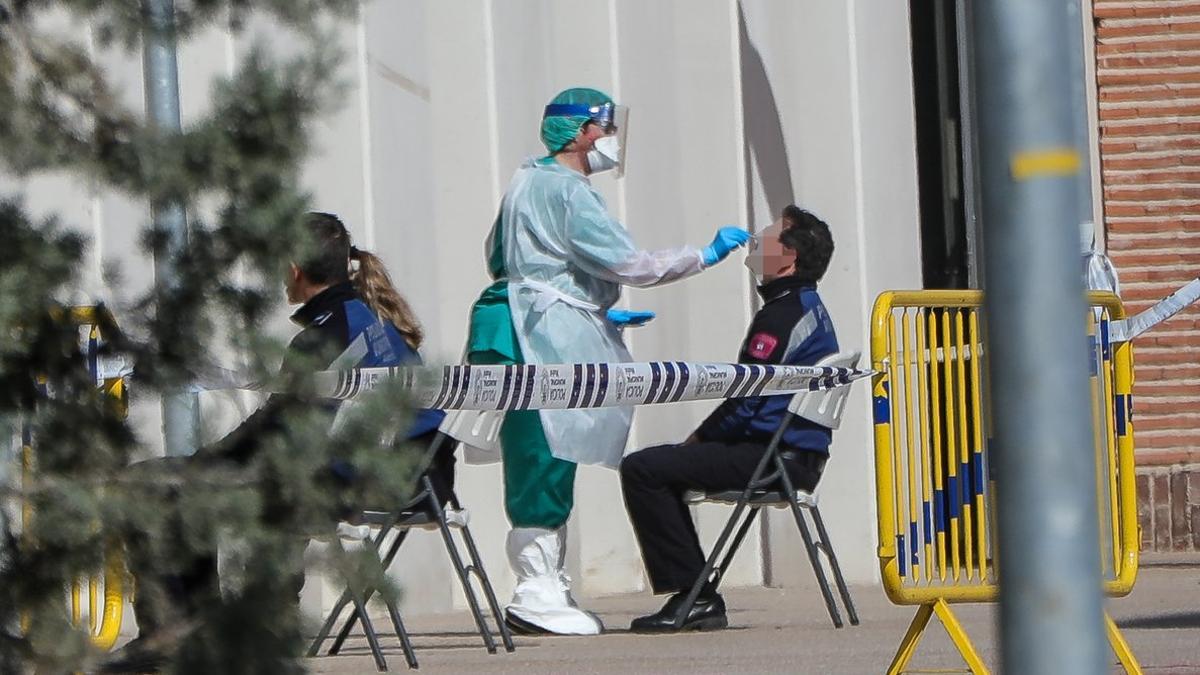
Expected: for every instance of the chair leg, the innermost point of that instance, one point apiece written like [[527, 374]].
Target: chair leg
[[460, 570], [488, 592], [838, 579], [392, 550], [315, 647], [733, 547], [410, 654], [711, 563], [814, 558], [360, 608]]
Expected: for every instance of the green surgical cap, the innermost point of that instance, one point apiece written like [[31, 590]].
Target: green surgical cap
[[557, 132]]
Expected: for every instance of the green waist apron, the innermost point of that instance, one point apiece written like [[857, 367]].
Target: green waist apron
[[539, 488]]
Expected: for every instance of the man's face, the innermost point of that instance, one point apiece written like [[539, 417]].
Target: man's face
[[291, 284], [768, 258]]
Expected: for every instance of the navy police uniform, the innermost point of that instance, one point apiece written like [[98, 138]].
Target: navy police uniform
[[793, 328]]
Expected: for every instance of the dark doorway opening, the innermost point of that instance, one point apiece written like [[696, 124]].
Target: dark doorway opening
[[947, 243]]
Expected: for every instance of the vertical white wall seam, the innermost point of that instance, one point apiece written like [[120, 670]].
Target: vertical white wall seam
[[1087, 16], [860, 207], [614, 59], [614, 53], [856, 143], [739, 159], [493, 107], [364, 117], [96, 203]]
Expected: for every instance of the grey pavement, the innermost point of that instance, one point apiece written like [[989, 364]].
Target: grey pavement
[[781, 631]]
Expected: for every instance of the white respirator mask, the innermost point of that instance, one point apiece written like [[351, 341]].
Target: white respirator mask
[[605, 154]]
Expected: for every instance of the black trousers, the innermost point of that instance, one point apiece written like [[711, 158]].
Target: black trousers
[[441, 469], [179, 585], [654, 480]]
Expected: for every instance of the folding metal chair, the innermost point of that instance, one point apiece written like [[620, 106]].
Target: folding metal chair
[[822, 407], [423, 511]]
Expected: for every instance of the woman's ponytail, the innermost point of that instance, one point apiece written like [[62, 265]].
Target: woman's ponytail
[[373, 283]]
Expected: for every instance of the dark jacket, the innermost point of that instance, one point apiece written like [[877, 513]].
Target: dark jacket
[[792, 328], [338, 330]]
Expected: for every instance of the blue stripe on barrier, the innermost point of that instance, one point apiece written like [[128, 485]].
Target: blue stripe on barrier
[[900, 555], [977, 475], [93, 357], [939, 510], [954, 497], [1105, 342], [1120, 409], [913, 542], [928, 509], [882, 412]]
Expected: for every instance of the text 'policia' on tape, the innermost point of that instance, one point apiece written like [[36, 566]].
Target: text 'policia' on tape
[[573, 386]]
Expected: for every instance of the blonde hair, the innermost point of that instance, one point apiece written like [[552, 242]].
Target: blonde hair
[[373, 283]]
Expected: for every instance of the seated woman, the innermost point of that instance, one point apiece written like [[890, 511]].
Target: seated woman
[[350, 316]]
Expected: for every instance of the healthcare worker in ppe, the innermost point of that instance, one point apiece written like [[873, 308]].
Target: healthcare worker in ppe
[[559, 261]]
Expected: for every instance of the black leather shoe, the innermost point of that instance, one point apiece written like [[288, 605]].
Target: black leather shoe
[[707, 614]]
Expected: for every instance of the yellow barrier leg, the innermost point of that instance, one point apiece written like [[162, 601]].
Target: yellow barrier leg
[[76, 611], [909, 644], [1121, 647], [959, 636]]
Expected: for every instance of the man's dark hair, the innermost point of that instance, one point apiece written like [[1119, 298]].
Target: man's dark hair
[[810, 238], [326, 251]]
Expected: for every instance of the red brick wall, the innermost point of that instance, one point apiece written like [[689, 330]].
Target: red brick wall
[[1148, 76]]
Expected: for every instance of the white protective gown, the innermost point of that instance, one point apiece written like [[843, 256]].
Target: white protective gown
[[566, 260]]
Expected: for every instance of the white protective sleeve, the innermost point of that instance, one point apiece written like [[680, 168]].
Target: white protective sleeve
[[604, 249]]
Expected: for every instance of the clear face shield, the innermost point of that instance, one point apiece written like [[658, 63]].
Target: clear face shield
[[609, 151]]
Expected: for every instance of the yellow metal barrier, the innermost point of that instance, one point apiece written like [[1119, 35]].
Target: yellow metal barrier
[[934, 491], [105, 593]]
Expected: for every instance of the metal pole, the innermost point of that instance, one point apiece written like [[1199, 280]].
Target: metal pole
[[1031, 152], [180, 409]]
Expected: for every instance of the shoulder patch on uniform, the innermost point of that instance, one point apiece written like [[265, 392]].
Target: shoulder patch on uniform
[[762, 345]]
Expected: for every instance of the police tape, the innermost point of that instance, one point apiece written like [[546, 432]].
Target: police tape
[[569, 386], [1130, 328]]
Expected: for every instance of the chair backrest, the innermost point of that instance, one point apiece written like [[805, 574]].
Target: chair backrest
[[826, 407]]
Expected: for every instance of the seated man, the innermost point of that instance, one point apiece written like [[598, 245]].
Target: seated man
[[792, 328]]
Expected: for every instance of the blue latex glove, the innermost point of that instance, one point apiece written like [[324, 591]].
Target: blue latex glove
[[728, 238], [624, 318]]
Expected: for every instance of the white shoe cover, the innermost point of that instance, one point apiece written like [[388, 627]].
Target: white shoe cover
[[543, 593]]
